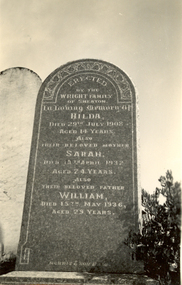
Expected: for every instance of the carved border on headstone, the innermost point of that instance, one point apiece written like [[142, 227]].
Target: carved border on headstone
[[25, 255], [101, 67]]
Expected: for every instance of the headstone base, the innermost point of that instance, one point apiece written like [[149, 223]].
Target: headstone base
[[59, 278]]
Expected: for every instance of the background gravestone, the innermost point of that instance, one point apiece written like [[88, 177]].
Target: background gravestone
[[81, 197], [18, 93]]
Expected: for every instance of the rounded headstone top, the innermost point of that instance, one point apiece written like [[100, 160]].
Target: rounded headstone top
[[114, 74], [18, 70]]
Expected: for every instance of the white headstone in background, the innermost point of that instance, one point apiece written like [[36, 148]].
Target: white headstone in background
[[18, 93]]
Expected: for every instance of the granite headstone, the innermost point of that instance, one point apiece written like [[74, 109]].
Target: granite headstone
[[82, 188]]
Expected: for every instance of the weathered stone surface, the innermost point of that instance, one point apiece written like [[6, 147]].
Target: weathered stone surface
[[82, 197], [37, 278], [18, 93]]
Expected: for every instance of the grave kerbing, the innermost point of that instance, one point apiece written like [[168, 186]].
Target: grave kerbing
[[82, 189]]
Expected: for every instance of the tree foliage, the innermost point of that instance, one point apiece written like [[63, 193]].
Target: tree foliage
[[158, 243]]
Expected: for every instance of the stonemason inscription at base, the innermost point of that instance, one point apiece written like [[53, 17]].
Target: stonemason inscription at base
[[82, 196]]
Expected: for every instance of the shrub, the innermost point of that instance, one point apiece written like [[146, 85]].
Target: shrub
[[158, 243]]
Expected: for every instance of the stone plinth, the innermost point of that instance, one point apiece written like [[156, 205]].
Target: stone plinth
[[59, 278]]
